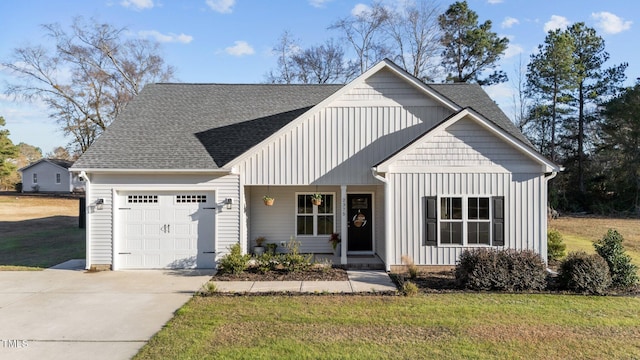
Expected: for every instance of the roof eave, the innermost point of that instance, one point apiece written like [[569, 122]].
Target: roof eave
[[151, 171]]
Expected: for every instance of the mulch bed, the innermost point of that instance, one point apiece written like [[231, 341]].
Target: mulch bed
[[318, 274]]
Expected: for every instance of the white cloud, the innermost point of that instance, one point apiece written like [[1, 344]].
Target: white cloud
[[240, 48], [168, 38], [556, 22], [318, 3], [360, 9], [610, 23], [509, 22], [137, 4], [221, 6], [513, 50], [494, 1]]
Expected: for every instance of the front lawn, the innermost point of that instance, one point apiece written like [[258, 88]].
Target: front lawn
[[39, 231], [579, 233], [442, 326]]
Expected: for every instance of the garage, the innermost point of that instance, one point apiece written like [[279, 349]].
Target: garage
[[166, 230]]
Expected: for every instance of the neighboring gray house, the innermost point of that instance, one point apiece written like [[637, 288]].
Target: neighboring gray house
[[50, 176], [404, 168]]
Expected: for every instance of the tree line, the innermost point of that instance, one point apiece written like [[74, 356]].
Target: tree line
[[573, 108]]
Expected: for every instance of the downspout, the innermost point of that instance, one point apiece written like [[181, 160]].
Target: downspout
[[87, 225], [545, 219], [387, 214]]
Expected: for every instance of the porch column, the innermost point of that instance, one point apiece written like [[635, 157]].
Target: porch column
[[343, 224]]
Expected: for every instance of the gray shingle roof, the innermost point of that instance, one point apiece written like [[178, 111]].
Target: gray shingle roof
[[204, 126], [197, 126], [473, 96]]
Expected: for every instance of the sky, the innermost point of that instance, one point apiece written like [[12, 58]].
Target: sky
[[231, 41]]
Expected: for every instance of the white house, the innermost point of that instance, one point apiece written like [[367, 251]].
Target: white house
[[50, 176], [404, 168]]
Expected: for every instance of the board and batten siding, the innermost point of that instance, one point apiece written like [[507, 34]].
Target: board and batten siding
[[525, 211], [103, 230], [465, 160], [339, 143]]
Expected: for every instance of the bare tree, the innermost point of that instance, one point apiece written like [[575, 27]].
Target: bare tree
[[520, 98], [323, 64], [90, 76], [365, 32], [286, 48], [416, 34]]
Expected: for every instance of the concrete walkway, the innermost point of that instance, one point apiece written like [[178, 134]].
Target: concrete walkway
[[360, 281]]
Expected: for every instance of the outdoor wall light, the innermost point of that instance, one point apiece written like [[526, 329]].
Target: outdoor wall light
[[99, 204], [228, 202]]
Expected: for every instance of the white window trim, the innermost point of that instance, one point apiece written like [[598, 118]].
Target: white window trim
[[465, 220], [315, 214]]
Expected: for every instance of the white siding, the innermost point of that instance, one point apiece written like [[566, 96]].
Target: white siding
[[525, 211], [46, 173], [339, 143], [278, 222], [102, 223]]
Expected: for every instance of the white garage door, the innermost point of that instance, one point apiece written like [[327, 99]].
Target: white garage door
[[166, 230]]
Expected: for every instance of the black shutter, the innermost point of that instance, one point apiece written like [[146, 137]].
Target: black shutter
[[498, 221], [431, 221]]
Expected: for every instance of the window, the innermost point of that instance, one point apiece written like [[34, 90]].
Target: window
[[191, 198], [142, 199], [464, 221], [58, 178], [35, 178], [315, 219]]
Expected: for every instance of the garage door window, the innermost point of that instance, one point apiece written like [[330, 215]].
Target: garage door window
[[142, 199], [183, 199]]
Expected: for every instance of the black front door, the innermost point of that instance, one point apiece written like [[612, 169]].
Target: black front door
[[360, 222]]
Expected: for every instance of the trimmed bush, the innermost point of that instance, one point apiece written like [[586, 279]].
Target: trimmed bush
[[234, 262], [505, 270], [623, 273], [584, 273], [556, 249]]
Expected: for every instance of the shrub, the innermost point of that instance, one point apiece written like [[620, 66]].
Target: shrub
[[556, 249], [410, 289], [584, 273], [486, 269], [234, 262], [623, 272], [292, 260], [265, 263]]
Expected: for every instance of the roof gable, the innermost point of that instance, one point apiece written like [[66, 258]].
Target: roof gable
[[207, 127], [60, 163], [478, 119]]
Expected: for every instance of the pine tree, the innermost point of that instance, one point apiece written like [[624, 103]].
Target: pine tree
[[470, 48]]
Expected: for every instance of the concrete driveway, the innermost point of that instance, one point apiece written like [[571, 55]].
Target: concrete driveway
[[72, 314]]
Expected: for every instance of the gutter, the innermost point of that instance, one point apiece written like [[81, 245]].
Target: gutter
[[387, 214], [154, 171], [87, 195]]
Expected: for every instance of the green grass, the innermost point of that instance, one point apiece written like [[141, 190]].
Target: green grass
[[41, 248], [444, 326], [580, 233]]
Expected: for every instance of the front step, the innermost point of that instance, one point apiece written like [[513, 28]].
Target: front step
[[364, 267]]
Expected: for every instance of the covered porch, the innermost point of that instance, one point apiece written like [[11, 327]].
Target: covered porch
[[355, 212]]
